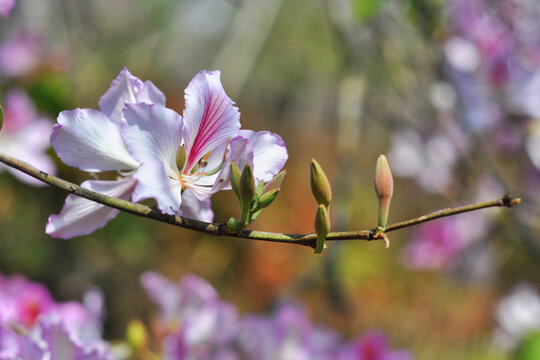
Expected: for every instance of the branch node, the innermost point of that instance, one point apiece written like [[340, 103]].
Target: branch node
[[508, 201]]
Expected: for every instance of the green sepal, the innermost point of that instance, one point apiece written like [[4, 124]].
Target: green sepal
[[259, 189], [256, 214]]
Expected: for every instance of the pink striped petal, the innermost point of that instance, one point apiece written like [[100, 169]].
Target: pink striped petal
[[209, 117], [155, 183], [80, 216], [269, 153], [88, 140], [153, 132], [193, 208], [128, 88]]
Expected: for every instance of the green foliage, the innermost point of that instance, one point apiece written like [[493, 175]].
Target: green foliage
[[51, 93], [365, 10], [529, 348]]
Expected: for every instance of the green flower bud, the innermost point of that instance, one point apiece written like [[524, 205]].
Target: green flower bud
[[137, 335], [247, 185], [235, 180], [384, 187], [322, 227], [232, 224], [266, 199], [320, 186], [247, 194]]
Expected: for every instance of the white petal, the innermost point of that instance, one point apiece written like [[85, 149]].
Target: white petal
[[150, 94], [80, 216], [269, 153], [153, 132], [193, 208], [88, 140], [154, 183], [123, 89]]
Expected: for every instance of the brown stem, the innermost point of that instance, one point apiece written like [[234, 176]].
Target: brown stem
[[218, 229]]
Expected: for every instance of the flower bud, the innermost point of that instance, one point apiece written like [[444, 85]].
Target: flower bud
[[384, 187], [267, 198], [235, 180], [322, 227], [232, 224], [320, 186], [247, 185], [276, 182], [137, 335]]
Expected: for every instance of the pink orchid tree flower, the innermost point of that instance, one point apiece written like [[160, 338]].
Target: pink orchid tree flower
[[90, 140], [5, 7], [210, 137], [22, 137], [20, 54]]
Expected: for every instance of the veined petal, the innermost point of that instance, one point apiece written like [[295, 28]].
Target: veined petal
[[209, 117], [88, 140], [269, 153], [153, 132], [123, 89], [80, 216], [241, 152], [155, 183], [193, 208]]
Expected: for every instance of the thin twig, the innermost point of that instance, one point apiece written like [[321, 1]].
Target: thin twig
[[218, 229]]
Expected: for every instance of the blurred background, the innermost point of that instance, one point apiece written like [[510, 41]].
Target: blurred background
[[449, 90]]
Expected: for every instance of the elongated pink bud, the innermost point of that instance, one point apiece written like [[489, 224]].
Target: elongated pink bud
[[384, 187]]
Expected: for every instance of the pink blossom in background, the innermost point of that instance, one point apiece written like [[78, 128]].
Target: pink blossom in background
[[437, 245], [24, 135], [46, 328], [20, 54], [193, 314], [5, 7], [198, 325], [373, 346]]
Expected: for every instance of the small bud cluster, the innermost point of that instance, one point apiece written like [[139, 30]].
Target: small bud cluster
[[252, 198], [322, 192]]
